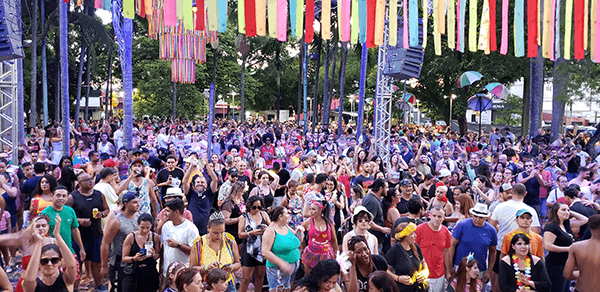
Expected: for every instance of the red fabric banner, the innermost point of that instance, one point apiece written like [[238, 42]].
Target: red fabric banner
[[371, 6], [532, 20], [493, 41], [578, 9], [309, 18], [250, 17], [200, 17]]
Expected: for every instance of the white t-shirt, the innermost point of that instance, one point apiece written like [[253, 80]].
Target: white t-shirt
[[109, 193], [162, 140], [184, 233], [505, 213], [554, 195], [118, 137]]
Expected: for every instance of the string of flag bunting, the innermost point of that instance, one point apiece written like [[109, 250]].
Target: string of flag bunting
[[184, 27]]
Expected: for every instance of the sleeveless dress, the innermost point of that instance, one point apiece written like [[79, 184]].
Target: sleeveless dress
[[319, 246], [295, 208], [145, 277], [206, 255], [144, 195], [58, 285], [267, 198]]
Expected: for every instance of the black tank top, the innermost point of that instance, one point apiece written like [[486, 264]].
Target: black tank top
[[135, 248], [84, 206], [58, 286]]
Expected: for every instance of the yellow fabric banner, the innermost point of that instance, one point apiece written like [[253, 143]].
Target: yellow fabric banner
[[472, 25], [272, 16], [326, 19], [379, 22], [484, 30], [548, 40], [451, 24], [354, 26], [393, 22], [568, 27], [299, 18]]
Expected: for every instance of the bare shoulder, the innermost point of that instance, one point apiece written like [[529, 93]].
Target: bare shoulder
[[506, 259], [535, 259]]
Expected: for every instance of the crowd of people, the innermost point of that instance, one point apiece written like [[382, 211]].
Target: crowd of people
[[266, 207]]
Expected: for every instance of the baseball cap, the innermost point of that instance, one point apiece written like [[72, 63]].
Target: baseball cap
[[523, 211], [104, 156], [128, 196], [405, 182], [444, 173], [232, 171], [109, 163], [505, 187]]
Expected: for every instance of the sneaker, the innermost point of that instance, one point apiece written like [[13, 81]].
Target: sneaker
[[102, 288]]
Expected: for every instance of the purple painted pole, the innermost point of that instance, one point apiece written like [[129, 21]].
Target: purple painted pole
[[211, 114], [64, 78], [361, 91]]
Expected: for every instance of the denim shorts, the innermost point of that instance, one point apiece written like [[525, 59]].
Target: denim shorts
[[277, 278]]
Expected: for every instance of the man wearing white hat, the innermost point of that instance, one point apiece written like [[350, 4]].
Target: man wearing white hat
[[361, 219], [475, 235]]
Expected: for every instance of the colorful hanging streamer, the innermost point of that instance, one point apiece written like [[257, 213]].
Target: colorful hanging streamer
[[293, 6], [355, 23], [222, 15], [556, 30], [188, 15], [442, 15], [250, 17], [519, 28], [345, 17], [261, 17], [484, 29], [299, 18], [461, 7], [371, 10], [379, 22], [169, 13], [437, 36], [568, 28], [200, 16], [452, 24], [552, 26], [129, 9], [97, 4], [586, 15], [593, 30], [578, 37], [547, 41], [326, 19], [272, 17], [425, 16], [212, 11], [310, 18], [532, 42], [504, 37], [596, 55], [472, 25], [362, 15], [393, 17], [282, 20], [405, 22], [241, 16], [493, 39]]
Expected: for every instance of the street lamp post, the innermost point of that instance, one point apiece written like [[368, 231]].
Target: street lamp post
[[309, 108], [452, 97], [233, 104]]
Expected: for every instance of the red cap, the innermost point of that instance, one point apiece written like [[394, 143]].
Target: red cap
[[110, 163], [439, 184]]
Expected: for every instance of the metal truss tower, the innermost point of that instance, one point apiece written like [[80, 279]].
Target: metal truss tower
[[9, 136], [383, 102]]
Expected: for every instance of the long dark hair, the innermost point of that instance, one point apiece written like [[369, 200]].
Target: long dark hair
[[461, 272], [326, 212], [553, 213], [387, 200], [172, 268], [51, 181], [322, 272]]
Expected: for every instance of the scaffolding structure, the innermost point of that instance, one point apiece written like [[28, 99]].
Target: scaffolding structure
[[383, 102], [9, 138]]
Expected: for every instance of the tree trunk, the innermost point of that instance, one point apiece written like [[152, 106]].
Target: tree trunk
[[327, 103], [342, 79], [316, 92], [558, 107], [536, 94], [328, 49], [278, 66], [86, 114], [174, 102], [82, 54], [242, 90], [589, 147], [462, 124], [107, 94], [64, 84], [34, 87]]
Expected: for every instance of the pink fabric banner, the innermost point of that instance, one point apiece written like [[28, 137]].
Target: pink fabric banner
[[98, 4], [596, 56], [282, 20], [504, 40], [345, 20], [405, 24], [170, 15]]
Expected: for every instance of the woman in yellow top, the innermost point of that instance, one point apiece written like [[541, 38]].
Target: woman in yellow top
[[216, 249]]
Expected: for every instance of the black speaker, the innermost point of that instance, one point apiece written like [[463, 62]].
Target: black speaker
[[401, 63], [11, 46]]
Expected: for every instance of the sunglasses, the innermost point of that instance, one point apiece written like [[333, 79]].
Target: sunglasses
[[256, 207], [362, 221], [54, 261]]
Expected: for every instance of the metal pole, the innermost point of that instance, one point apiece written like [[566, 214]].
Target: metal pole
[[361, 92], [44, 65], [450, 116], [404, 119]]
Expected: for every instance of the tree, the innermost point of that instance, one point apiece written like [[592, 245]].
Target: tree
[[511, 114]]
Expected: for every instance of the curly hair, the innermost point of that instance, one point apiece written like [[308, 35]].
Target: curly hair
[[322, 272]]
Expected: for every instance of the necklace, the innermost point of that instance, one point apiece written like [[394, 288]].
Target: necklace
[[527, 262]]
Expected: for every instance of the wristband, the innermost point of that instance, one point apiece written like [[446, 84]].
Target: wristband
[[179, 245]]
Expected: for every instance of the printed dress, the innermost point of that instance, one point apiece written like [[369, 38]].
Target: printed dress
[[319, 246], [295, 208]]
